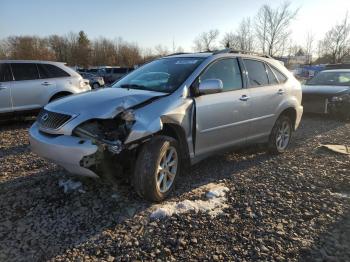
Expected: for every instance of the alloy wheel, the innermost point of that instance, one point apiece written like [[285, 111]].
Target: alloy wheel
[[167, 169], [283, 135]]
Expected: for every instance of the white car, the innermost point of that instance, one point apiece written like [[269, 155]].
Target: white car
[[27, 86]]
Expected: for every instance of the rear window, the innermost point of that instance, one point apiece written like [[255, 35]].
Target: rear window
[[256, 73], [5, 73], [281, 77], [272, 78], [51, 71], [24, 71]]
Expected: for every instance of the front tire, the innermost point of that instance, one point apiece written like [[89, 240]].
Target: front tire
[[95, 85], [281, 135], [157, 166]]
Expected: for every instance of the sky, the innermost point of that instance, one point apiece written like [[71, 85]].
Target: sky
[[152, 22]]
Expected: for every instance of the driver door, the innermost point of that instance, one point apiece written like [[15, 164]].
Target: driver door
[[221, 118]]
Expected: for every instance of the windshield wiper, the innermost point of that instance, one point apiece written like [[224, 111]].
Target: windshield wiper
[[133, 86]]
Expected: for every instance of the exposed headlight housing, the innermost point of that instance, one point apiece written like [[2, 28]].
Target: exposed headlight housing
[[128, 115]]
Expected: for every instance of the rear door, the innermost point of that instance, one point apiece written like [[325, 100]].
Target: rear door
[[5, 88], [27, 89], [221, 118], [265, 95]]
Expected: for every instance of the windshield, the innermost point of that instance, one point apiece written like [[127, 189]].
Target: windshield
[[163, 75], [331, 79]]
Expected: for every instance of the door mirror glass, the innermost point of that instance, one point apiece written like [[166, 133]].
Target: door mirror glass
[[210, 86]]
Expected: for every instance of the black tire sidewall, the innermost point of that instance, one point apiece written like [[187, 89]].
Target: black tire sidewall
[[145, 174]]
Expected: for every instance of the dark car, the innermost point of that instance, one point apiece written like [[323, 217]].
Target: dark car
[[328, 93], [95, 81], [112, 74]]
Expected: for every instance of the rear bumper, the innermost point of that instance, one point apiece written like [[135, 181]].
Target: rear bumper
[[66, 151]]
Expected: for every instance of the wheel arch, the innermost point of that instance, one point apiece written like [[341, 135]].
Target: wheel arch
[[291, 112], [59, 94], [178, 133]]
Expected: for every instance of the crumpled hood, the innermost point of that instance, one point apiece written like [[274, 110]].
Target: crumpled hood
[[324, 90], [102, 103]]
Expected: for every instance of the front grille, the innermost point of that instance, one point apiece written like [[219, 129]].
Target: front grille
[[52, 120]]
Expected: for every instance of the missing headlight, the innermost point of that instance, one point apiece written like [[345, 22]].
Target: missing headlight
[[110, 132]]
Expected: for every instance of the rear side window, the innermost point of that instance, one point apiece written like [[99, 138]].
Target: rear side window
[[51, 71], [272, 78], [24, 71], [5, 73], [227, 71], [281, 77], [256, 73]]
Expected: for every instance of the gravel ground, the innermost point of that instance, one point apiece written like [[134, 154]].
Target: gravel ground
[[294, 206]]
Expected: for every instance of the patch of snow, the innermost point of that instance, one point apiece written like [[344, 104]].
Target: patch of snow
[[70, 185], [214, 205], [341, 195]]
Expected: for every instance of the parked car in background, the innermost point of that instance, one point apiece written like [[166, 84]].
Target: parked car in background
[[95, 81], [328, 93], [27, 86], [112, 74], [168, 114]]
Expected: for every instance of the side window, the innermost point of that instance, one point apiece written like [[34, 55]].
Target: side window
[[256, 73], [51, 71], [281, 77], [5, 73], [43, 72], [272, 78], [24, 71], [227, 71]]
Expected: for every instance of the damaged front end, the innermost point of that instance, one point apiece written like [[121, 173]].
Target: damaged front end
[[109, 135]]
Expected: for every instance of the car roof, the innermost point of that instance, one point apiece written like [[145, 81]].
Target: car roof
[[31, 61], [209, 54], [336, 70]]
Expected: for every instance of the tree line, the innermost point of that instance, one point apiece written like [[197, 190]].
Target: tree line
[[267, 32]]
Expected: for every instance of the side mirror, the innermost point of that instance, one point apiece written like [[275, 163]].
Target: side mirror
[[210, 86]]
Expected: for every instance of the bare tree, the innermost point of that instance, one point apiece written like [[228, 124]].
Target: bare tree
[[309, 46], [161, 50], [206, 41], [103, 52], [245, 35], [3, 50], [28, 47], [230, 41], [272, 27], [336, 43]]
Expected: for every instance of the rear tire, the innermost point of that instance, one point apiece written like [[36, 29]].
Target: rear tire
[[157, 166], [281, 135]]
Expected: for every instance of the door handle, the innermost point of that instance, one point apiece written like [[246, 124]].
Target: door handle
[[46, 84], [280, 92], [244, 98]]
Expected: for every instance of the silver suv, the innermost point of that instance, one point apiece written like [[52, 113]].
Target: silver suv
[[171, 113], [29, 85]]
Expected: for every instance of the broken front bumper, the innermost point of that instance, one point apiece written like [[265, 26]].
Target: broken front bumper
[[66, 151]]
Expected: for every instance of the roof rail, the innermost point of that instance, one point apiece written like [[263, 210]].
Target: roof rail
[[179, 53], [236, 51]]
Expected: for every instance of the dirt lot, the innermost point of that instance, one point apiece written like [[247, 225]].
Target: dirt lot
[[290, 207]]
